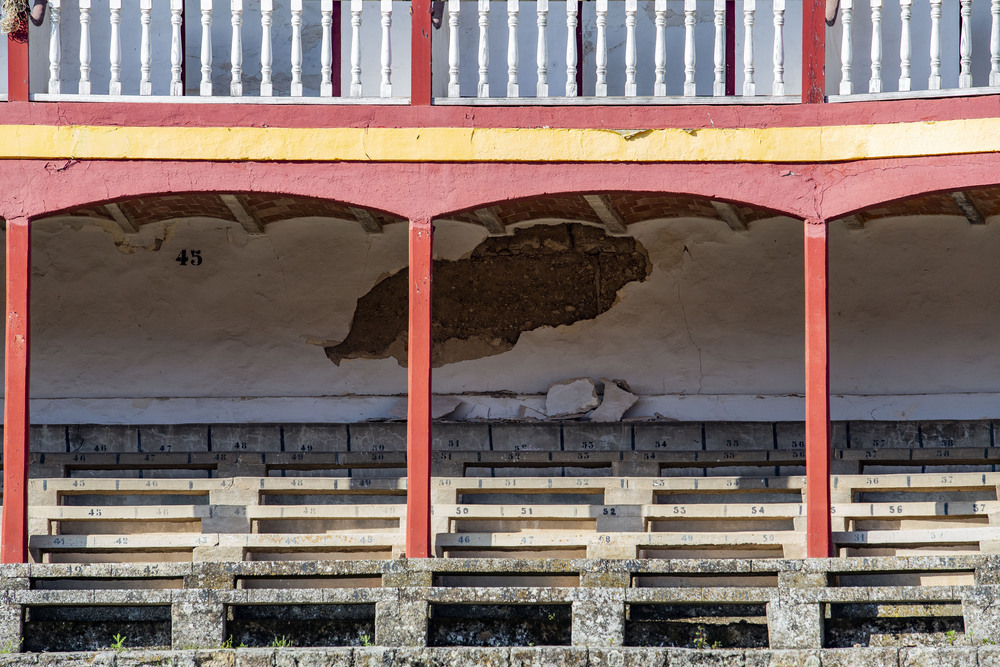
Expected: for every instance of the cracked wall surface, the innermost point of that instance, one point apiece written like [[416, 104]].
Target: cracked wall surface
[[540, 276]]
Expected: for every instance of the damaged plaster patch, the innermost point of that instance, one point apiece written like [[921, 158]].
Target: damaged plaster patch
[[149, 238], [540, 276]]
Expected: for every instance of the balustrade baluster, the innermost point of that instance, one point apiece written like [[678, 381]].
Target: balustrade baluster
[[385, 88], [690, 11], [905, 51], [356, 48], [934, 81], [266, 57], [454, 7], [296, 57], [542, 49], [601, 88], [483, 90], [236, 50], [631, 7], [995, 43], [875, 83], [965, 46], [749, 86], [146, 48], [55, 47], [719, 84], [512, 56], [571, 64], [778, 86], [85, 8], [206, 47], [847, 47], [176, 55], [115, 50], [326, 57]]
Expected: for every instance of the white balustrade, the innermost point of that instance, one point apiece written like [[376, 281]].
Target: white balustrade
[[995, 43], [145, 48], [385, 85], [965, 46], [266, 57], [176, 53], [454, 8], [115, 53], [601, 56], [326, 55], [513, 90], [875, 82], [542, 48], [847, 47], [236, 49], [206, 47], [905, 14], [483, 89], [631, 7], [356, 6], [778, 56], [55, 47], [719, 15], [934, 81], [296, 58], [630, 42], [572, 21], [85, 9], [690, 18], [749, 86]]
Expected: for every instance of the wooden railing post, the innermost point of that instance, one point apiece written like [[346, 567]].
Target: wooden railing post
[[818, 537], [420, 53], [18, 85], [813, 51], [14, 529], [418, 417]]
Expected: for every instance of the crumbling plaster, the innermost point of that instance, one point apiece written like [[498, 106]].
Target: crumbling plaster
[[721, 313]]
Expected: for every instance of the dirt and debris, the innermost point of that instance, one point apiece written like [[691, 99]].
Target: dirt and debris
[[539, 276]]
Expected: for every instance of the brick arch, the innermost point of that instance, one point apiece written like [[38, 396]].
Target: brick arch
[[614, 211], [253, 210]]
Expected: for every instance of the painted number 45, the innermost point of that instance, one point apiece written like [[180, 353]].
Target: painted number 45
[[192, 257]]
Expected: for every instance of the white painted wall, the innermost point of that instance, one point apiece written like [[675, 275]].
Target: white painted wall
[[716, 332]]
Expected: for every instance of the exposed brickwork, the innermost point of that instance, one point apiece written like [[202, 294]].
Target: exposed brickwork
[[167, 207], [936, 204], [633, 207], [271, 208]]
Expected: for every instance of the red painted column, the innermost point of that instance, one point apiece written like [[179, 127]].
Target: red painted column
[[818, 538], [17, 67], [418, 420], [813, 51], [14, 528], [420, 53]]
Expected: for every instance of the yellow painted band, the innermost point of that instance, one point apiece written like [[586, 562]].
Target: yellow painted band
[[453, 144]]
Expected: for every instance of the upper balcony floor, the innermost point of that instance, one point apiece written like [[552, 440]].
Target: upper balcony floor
[[503, 52]]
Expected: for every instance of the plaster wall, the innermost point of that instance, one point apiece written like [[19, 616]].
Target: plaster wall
[[120, 328]]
